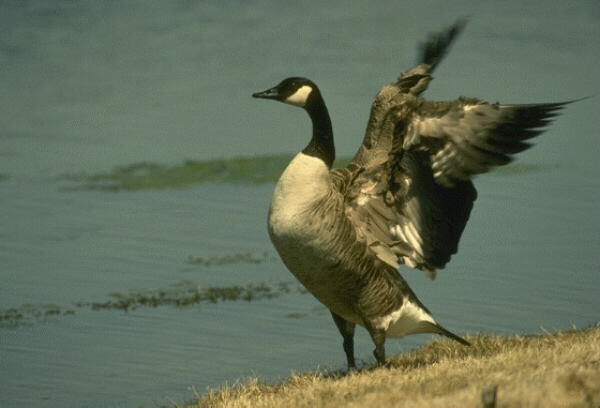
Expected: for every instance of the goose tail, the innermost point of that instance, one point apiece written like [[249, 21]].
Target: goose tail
[[412, 318], [436, 328]]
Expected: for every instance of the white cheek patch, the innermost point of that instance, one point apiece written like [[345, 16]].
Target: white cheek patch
[[299, 97]]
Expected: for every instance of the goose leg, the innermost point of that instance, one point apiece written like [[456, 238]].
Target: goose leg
[[347, 331], [378, 337]]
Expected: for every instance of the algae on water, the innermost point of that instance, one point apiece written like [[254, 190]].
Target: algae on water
[[241, 170], [182, 294], [243, 257], [144, 175]]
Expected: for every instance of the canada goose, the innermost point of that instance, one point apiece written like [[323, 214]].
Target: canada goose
[[404, 199]]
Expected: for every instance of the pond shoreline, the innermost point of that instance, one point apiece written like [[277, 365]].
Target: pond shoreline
[[553, 369]]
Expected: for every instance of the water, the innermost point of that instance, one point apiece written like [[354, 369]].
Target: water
[[87, 87]]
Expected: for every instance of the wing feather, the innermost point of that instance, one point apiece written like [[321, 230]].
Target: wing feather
[[418, 200], [408, 191], [470, 137]]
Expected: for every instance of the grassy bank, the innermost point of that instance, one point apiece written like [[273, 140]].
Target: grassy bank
[[558, 369]]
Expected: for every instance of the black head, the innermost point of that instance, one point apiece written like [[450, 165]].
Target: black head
[[303, 92], [294, 91]]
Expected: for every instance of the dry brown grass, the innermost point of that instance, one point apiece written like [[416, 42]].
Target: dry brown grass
[[559, 369]]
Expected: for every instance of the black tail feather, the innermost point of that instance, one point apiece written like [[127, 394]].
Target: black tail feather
[[451, 335]]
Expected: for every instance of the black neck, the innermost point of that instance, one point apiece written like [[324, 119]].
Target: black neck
[[321, 145]]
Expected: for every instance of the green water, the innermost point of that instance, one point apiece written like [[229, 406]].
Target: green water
[[136, 173]]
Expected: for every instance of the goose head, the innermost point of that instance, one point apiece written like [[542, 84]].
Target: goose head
[[294, 91], [303, 92]]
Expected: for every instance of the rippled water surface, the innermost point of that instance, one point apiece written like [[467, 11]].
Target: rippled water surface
[[136, 172]]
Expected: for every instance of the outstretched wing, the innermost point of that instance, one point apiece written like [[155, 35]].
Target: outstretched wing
[[408, 191], [412, 199], [432, 51], [468, 136], [412, 82]]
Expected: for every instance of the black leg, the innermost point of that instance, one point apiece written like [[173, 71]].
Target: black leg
[[378, 336], [347, 331], [379, 339]]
